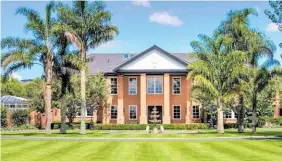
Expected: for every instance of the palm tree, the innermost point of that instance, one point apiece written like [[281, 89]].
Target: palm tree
[[86, 25], [216, 70], [24, 53], [255, 44]]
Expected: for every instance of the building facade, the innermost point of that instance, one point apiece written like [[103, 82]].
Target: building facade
[[139, 82]]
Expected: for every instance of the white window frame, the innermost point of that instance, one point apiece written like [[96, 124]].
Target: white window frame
[[111, 86], [179, 112], [154, 84], [129, 86], [232, 115], [111, 112], [129, 111], [193, 112], [179, 86]]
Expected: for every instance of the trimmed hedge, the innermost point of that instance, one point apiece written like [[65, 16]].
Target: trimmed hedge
[[275, 121], [192, 126]]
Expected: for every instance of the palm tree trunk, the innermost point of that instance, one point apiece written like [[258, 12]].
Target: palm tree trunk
[[83, 90], [63, 129], [254, 114], [220, 126], [241, 115], [83, 101], [48, 97]]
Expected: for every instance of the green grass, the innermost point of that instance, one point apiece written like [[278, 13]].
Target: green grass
[[247, 150], [142, 134]]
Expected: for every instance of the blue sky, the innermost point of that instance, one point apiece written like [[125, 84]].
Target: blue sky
[[170, 25]]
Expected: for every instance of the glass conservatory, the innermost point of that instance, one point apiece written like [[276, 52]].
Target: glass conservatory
[[13, 102]]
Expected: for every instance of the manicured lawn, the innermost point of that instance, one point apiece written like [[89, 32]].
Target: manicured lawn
[[251, 150], [138, 134]]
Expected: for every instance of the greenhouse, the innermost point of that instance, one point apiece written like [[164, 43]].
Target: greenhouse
[[13, 102]]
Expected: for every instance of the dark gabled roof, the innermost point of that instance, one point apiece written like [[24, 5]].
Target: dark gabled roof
[[107, 63]]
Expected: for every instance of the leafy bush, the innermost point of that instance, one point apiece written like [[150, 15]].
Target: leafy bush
[[3, 116], [120, 126], [192, 126], [274, 121], [22, 127], [20, 117]]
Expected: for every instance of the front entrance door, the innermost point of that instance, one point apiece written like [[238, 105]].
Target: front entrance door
[[159, 113]]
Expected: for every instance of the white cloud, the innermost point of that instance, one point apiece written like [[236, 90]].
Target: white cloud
[[257, 9], [15, 75], [165, 18], [109, 44], [272, 27], [144, 3]]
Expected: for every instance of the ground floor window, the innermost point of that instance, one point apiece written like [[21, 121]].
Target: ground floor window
[[176, 112], [113, 112], [228, 115], [196, 112], [132, 112]]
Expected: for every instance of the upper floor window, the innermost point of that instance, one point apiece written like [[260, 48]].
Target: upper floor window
[[176, 112], [132, 112], [196, 112], [125, 56], [113, 112], [113, 85], [176, 86], [155, 85], [132, 86]]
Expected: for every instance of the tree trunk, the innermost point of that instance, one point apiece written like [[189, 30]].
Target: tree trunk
[[241, 115], [277, 105], [219, 126], [83, 101], [254, 114], [48, 97], [63, 129]]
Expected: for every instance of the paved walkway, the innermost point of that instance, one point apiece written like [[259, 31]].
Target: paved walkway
[[140, 139]]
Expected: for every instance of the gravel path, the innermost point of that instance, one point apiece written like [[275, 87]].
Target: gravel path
[[141, 139]]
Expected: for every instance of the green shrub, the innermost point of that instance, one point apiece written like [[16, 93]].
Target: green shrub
[[192, 126], [3, 116], [20, 117], [21, 127], [274, 121], [120, 126]]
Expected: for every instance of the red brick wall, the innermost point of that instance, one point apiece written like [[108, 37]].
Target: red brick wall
[[154, 99], [179, 99], [131, 99]]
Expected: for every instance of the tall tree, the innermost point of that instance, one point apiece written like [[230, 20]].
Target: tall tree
[[24, 53], [276, 15], [255, 44], [11, 86], [86, 25], [216, 69]]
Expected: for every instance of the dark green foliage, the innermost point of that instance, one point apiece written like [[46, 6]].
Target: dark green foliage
[[274, 121], [193, 126], [3, 116], [276, 15], [13, 87], [20, 117], [34, 91]]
